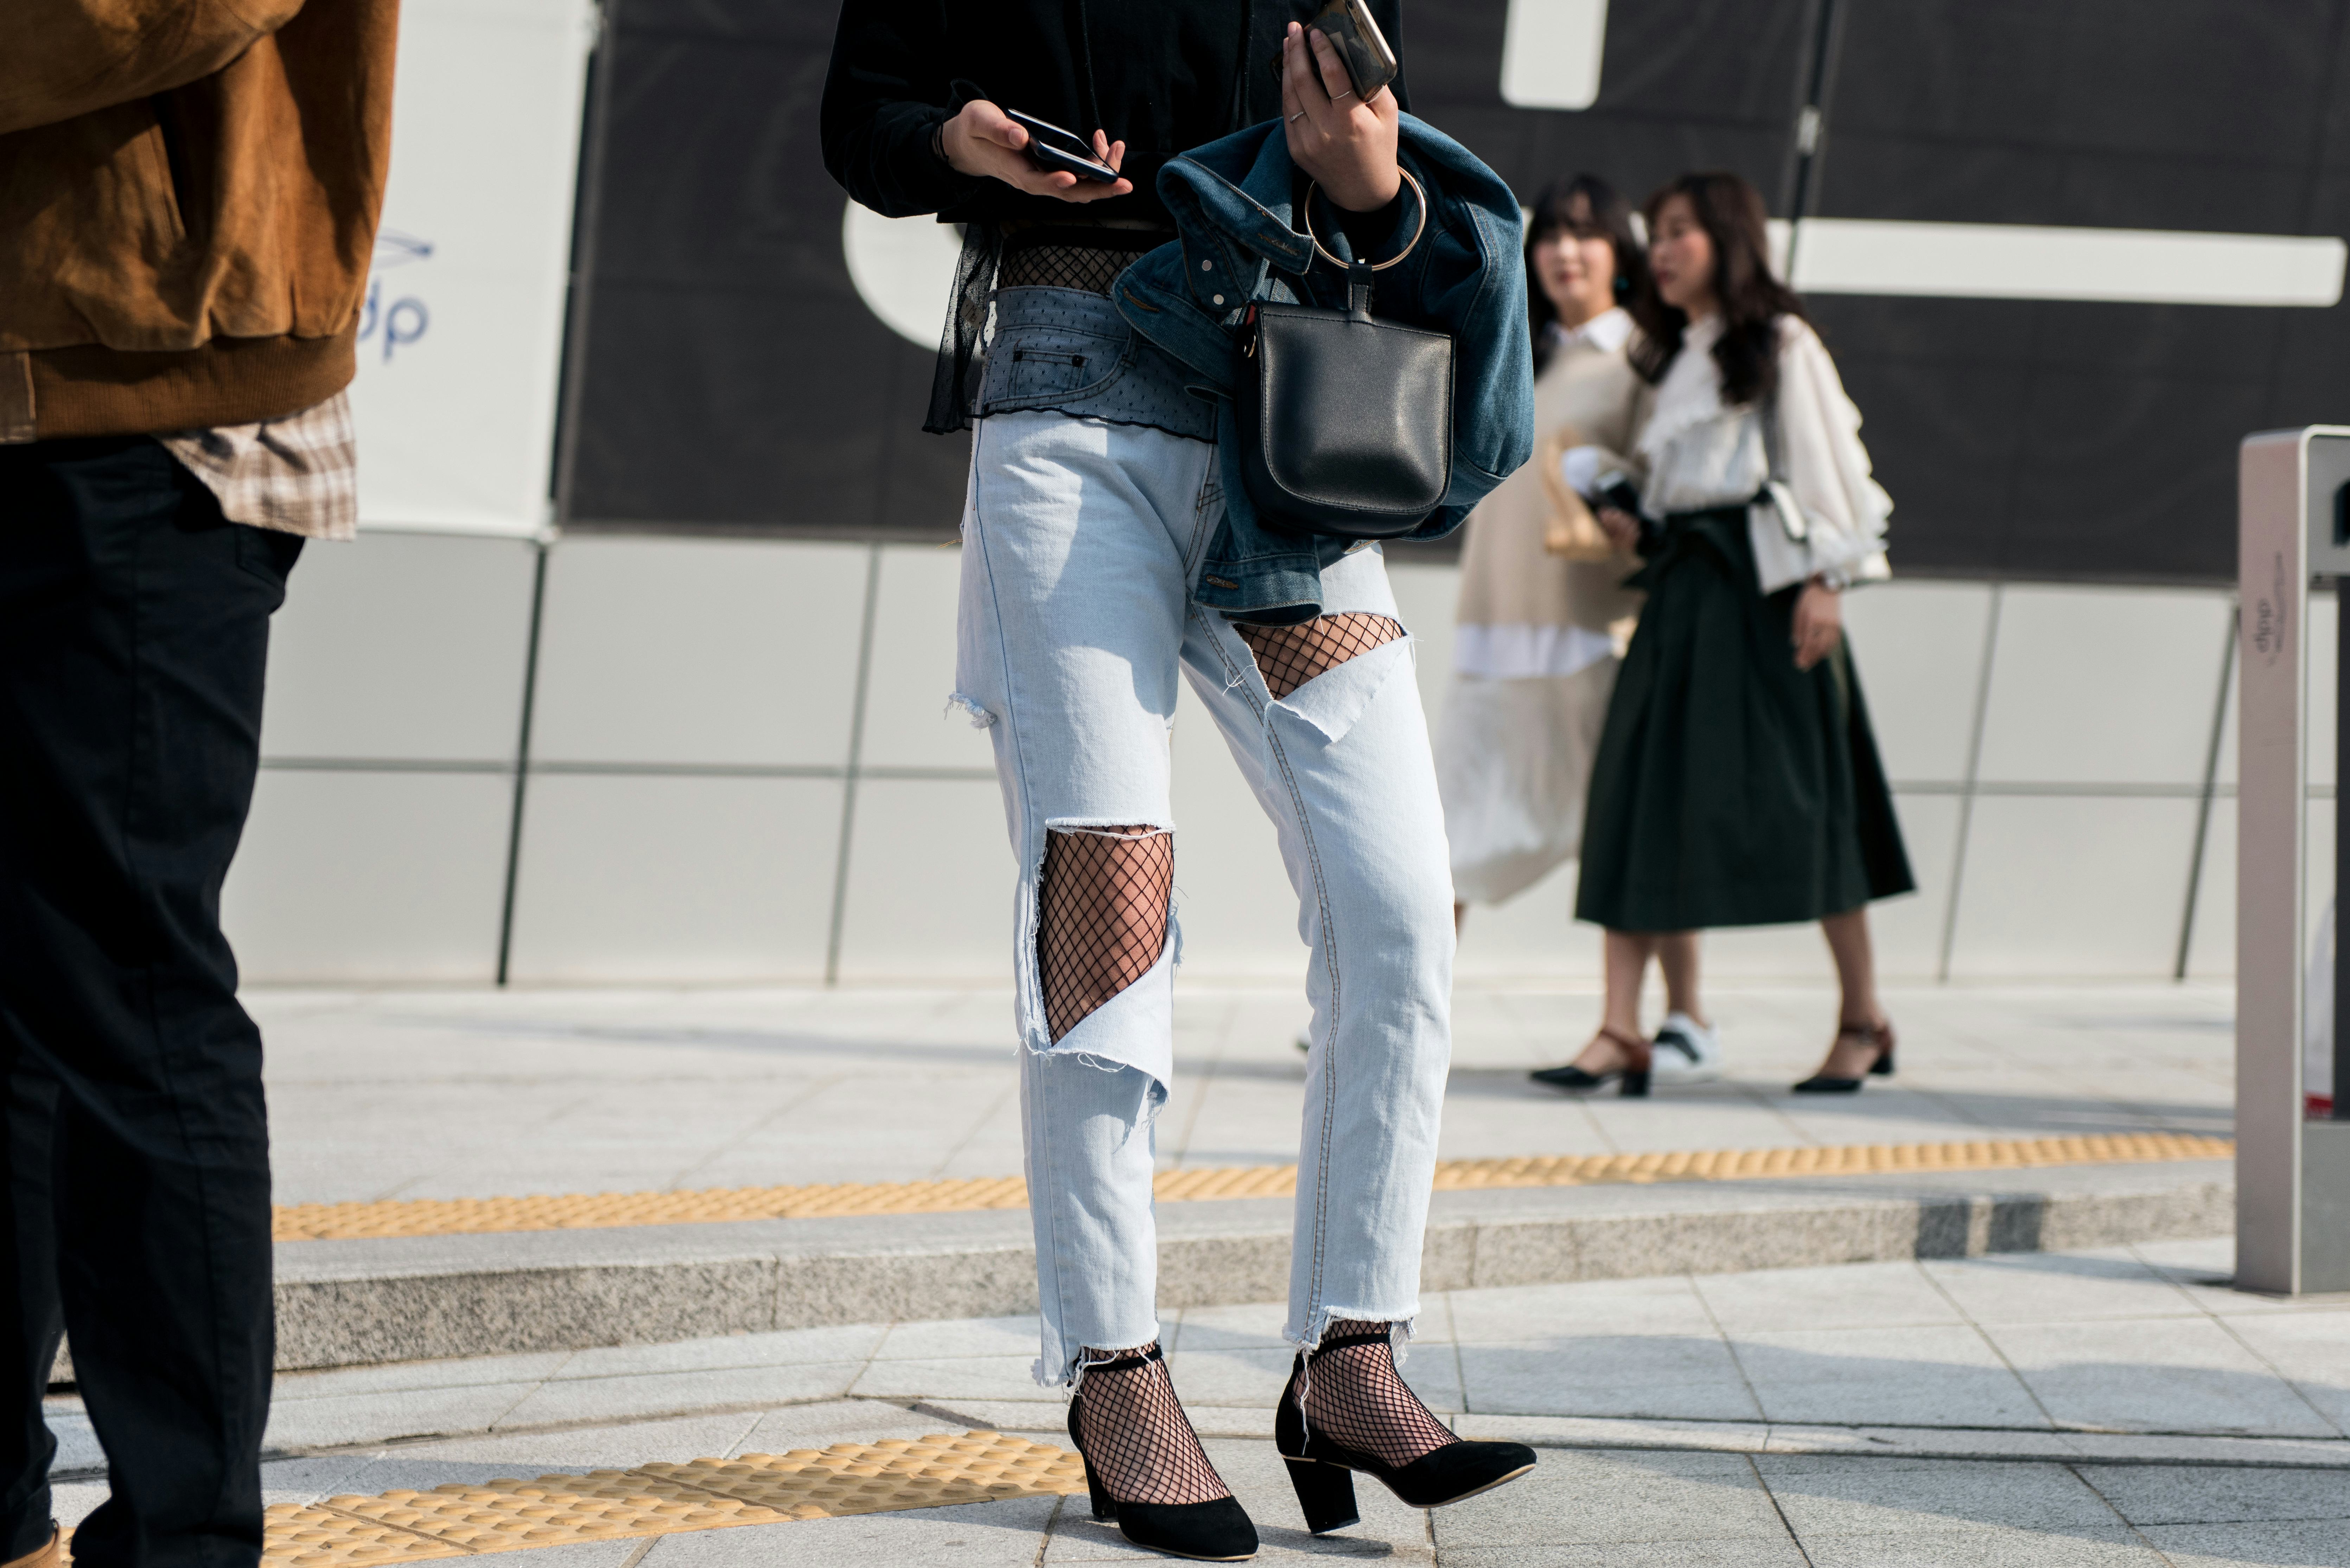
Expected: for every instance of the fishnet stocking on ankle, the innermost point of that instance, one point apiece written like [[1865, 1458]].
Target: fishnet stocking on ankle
[[1354, 1395], [1101, 916], [1289, 656], [1136, 1437]]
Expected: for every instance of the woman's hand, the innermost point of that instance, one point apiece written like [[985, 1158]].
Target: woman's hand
[[1623, 529], [1819, 623], [1345, 144], [984, 139]]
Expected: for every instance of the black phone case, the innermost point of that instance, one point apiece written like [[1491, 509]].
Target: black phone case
[[1366, 68], [1054, 160]]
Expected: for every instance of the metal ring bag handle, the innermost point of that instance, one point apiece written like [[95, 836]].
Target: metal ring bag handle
[[1416, 189]]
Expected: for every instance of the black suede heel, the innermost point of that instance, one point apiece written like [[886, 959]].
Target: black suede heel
[[1217, 1531], [1318, 1465]]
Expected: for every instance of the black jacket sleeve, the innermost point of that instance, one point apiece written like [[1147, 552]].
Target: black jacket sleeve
[[887, 89]]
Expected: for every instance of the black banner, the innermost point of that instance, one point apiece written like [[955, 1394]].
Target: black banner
[[734, 378]]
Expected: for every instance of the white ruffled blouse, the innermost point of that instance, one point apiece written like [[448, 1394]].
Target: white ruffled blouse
[[1699, 454]]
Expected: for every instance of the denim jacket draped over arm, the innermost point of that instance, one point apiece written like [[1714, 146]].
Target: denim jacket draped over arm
[[1232, 203]]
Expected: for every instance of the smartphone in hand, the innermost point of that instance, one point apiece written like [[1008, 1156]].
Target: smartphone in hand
[[1362, 48], [1054, 151]]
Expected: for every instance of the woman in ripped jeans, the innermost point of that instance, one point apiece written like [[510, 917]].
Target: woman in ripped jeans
[[1093, 497]]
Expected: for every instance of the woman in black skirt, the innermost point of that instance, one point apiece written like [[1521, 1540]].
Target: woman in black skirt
[[1737, 781]]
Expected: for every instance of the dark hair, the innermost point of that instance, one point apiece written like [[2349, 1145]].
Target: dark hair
[[1611, 218], [1753, 299]]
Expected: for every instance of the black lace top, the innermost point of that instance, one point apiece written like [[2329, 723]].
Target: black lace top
[[1163, 77]]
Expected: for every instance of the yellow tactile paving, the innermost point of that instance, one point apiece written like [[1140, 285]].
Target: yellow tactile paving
[[462, 1215], [473, 1519]]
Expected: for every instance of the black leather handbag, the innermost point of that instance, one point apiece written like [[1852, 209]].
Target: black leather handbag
[[1346, 420]]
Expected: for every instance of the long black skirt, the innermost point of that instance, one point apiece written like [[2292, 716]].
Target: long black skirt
[[1731, 788]]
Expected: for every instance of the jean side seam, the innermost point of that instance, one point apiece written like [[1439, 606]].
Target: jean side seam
[[1337, 1011], [1049, 1256], [1239, 681], [1026, 979]]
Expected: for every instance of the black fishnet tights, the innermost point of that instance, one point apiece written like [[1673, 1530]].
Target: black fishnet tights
[[1101, 916], [1136, 1436], [1064, 266], [1354, 1395], [1289, 656]]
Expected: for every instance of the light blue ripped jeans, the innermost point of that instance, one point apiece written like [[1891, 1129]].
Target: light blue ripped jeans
[[1081, 539]]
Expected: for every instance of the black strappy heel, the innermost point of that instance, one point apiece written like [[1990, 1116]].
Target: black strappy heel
[[1640, 1056], [1321, 1470], [1217, 1531], [1880, 1035]]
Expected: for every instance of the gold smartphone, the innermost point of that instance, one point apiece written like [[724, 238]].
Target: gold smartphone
[[1369, 60]]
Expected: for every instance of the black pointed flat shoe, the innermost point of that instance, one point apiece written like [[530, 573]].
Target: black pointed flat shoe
[[1217, 1531], [1322, 1470], [1880, 1035]]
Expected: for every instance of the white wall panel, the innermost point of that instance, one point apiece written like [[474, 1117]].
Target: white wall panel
[[1535, 934], [2103, 686], [360, 876], [907, 724], [2073, 885], [1919, 646], [1909, 929], [699, 650], [2212, 948], [634, 880], [930, 883], [1426, 596], [402, 647]]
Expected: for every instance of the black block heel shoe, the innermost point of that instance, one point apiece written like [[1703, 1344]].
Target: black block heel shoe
[[1878, 1034], [1633, 1076], [1321, 1470], [1217, 1531]]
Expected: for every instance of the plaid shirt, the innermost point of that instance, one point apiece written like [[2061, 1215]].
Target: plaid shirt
[[296, 475]]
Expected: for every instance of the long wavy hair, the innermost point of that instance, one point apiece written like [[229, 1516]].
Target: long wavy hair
[[1611, 219], [1752, 297]]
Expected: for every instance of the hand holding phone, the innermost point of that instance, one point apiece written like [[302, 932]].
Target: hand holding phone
[[1052, 149], [1363, 52], [1345, 140], [982, 140]]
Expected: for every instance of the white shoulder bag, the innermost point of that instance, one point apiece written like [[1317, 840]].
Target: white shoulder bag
[[1781, 533]]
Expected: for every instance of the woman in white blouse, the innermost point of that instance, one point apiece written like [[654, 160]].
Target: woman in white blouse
[[1538, 635], [1738, 782]]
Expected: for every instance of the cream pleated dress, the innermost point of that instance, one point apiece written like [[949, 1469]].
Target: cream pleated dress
[[1536, 643]]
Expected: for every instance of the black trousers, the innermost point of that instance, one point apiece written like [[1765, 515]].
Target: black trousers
[[134, 622]]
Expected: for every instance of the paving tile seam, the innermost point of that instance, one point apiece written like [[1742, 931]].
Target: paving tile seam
[[1980, 1456], [411, 1218]]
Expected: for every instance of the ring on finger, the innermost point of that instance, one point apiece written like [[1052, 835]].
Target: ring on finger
[[1349, 93], [1298, 116]]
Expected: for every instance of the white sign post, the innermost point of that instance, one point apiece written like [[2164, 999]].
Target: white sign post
[[2293, 1168]]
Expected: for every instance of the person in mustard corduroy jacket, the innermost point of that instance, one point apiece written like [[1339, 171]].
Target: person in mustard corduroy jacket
[[188, 199]]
